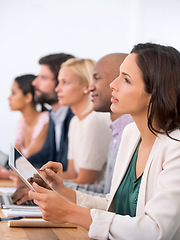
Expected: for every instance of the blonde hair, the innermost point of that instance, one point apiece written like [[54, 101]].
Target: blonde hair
[[84, 69]]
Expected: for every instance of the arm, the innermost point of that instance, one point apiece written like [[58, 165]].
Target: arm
[[84, 175], [4, 173]]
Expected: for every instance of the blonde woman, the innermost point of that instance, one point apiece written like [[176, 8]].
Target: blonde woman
[[89, 132]]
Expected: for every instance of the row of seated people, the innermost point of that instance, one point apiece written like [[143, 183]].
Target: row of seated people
[[144, 198], [89, 132]]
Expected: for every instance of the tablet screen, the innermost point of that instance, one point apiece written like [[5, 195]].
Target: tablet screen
[[25, 169]]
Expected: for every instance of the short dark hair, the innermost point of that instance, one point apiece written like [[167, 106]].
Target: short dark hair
[[54, 62], [160, 66], [25, 83]]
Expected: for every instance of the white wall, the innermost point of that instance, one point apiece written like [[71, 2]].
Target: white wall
[[85, 28]]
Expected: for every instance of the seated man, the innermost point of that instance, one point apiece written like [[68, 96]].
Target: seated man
[[56, 144]]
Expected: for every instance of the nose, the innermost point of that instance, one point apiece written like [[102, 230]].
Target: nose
[[57, 89], [113, 84], [91, 87]]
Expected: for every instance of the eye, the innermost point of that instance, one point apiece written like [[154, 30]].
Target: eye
[[127, 80], [65, 83], [96, 78]]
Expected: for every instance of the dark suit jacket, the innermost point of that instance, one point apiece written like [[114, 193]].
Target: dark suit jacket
[[48, 151]]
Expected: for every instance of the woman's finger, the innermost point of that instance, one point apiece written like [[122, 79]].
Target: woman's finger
[[52, 165], [52, 174]]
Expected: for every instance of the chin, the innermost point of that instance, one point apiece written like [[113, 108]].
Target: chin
[[114, 109]]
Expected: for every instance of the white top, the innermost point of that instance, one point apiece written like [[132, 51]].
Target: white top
[[158, 206], [89, 140]]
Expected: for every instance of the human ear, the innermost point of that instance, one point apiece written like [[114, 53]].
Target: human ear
[[29, 98]]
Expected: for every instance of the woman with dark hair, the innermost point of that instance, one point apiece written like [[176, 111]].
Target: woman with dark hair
[[144, 201], [33, 125]]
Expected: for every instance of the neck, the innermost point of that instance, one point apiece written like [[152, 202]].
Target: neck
[[30, 114], [56, 107], [147, 136], [79, 109]]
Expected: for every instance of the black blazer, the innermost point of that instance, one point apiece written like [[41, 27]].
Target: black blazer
[[48, 151]]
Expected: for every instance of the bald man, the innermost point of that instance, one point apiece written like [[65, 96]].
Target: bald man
[[105, 71]]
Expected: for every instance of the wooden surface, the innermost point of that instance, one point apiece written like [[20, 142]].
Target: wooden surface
[[9, 233]]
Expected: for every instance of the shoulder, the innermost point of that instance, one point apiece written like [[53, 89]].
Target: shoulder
[[98, 117], [44, 117], [130, 130], [169, 142], [74, 120]]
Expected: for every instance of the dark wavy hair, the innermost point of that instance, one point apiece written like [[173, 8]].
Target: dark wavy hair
[[160, 66]]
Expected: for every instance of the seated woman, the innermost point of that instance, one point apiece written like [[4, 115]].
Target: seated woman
[[32, 127], [89, 132], [144, 201]]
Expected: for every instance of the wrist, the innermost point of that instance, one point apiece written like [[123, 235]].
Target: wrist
[[68, 193], [79, 216]]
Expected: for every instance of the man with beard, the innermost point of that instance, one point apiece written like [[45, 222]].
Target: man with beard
[[56, 145]]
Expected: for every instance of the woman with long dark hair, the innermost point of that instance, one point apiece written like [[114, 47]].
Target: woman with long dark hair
[[144, 201]]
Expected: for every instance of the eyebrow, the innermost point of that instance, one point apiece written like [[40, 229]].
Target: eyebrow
[[126, 74]]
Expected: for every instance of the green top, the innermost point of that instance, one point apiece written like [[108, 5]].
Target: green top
[[125, 199]]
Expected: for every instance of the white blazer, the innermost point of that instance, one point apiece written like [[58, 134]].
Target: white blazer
[[158, 206]]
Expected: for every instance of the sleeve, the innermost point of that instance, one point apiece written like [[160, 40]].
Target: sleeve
[[95, 145], [160, 217], [88, 201]]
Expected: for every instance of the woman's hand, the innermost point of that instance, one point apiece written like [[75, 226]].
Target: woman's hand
[[20, 195], [57, 209], [54, 207], [52, 172]]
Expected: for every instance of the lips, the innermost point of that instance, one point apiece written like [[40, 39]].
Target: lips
[[37, 92], [60, 97], [114, 100], [93, 96]]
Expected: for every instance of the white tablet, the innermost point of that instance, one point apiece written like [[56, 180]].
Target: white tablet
[[25, 169]]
